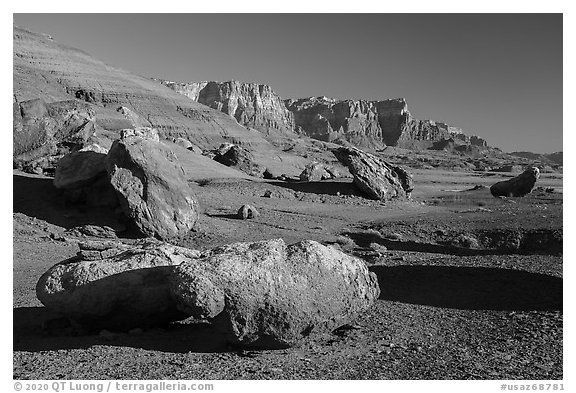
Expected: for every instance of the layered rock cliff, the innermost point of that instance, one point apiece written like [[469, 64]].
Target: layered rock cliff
[[360, 122], [371, 123], [252, 105]]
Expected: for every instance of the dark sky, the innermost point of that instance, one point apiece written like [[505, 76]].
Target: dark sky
[[498, 76]]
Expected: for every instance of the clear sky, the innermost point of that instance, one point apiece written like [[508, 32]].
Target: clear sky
[[498, 76]]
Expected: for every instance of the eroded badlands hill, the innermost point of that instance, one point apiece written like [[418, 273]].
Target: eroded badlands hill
[[47, 70]]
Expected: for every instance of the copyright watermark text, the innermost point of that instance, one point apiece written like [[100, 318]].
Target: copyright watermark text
[[111, 386]]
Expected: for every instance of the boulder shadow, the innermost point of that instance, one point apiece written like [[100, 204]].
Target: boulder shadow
[[37, 329], [228, 216], [37, 197], [320, 187], [470, 288], [539, 241], [365, 239]]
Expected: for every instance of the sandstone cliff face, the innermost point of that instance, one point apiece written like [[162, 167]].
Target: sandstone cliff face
[[424, 133], [360, 122], [370, 123], [327, 119], [252, 105], [190, 90]]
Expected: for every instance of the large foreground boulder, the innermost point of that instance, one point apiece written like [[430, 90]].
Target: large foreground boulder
[[375, 177], [267, 294], [111, 285], [150, 185], [517, 186]]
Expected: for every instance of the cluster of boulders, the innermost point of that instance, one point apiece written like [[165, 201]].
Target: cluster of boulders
[[265, 294], [141, 175]]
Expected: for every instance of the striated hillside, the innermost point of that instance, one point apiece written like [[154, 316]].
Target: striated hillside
[[46, 70], [252, 105]]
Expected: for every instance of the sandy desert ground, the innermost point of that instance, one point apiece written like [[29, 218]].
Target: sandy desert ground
[[450, 308]]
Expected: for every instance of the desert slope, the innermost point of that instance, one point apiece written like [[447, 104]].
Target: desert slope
[[50, 71]]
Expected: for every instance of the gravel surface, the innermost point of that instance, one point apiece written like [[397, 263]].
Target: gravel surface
[[447, 311]]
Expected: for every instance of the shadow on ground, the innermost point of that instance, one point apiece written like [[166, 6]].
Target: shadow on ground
[[36, 329], [224, 215], [470, 288], [37, 197], [320, 187], [364, 240], [540, 241]]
